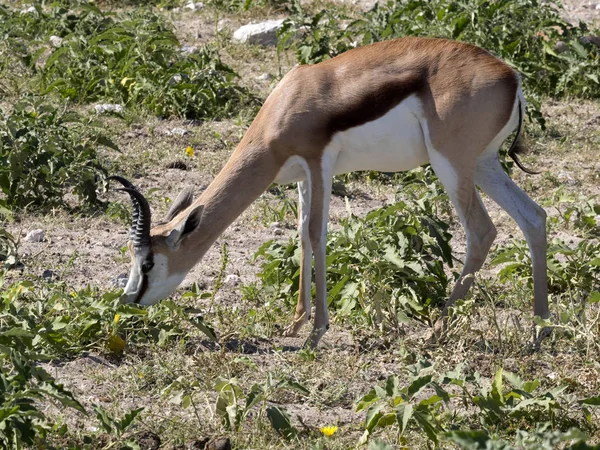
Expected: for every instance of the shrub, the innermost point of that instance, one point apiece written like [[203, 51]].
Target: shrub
[[524, 33], [387, 266], [138, 61], [45, 152]]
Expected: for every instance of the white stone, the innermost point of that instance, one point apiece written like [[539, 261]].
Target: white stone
[[177, 132], [597, 6], [35, 235], [108, 107], [274, 225], [188, 49], [31, 9], [264, 33], [265, 77], [232, 279], [55, 41], [175, 79], [194, 6]]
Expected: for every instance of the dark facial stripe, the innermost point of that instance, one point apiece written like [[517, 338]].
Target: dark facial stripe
[[144, 288]]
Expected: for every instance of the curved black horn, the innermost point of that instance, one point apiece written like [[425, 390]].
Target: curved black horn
[[141, 234], [136, 205], [141, 217], [123, 181]]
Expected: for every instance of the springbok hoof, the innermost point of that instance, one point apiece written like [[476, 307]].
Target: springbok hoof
[[293, 328], [539, 334]]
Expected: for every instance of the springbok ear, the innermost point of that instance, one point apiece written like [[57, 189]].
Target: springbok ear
[[186, 226], [183, 200]]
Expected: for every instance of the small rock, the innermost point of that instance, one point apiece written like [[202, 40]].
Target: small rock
[[264, 33], [148, 440], [565, 178], [188, 49], [597, 7], [194, 6], [55, 41], [175, 79], [35, 236], [595, 39], [274, 225], [31, 9], [277, 231], [265, 77], [561, 47], [198, 444], [120, 281], [219, 444], [50, 275], [232, 279], [103, 108], [177, 132]]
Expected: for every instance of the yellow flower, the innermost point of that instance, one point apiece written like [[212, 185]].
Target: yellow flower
[[328, 430], [117, 318], [189, 151]]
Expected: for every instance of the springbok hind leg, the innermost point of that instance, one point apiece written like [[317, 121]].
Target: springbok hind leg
[[530, 217], [302, 315], [479, 229]]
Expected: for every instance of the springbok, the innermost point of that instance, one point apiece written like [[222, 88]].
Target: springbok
[[390, 106]]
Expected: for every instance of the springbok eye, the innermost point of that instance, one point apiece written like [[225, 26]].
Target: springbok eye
[[147, 266]]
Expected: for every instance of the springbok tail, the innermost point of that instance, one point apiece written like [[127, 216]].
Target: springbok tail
[[518, 145]]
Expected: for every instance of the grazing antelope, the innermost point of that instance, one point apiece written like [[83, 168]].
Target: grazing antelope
[[390, 106]]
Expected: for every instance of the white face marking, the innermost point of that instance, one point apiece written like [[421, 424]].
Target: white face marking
[[160, 283], [391, 143]]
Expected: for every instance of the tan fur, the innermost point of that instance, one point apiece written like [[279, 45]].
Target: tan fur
[[467, 95]]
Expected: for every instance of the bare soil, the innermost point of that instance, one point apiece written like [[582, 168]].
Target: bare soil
[[89, 250]]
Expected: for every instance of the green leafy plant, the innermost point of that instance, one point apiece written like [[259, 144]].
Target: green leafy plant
[[66, 322], [574, 270], [233, 407], [47, 152], [514, 411], [138, 61], [117, 427], [23, 384], [388, 266], [8, 249]]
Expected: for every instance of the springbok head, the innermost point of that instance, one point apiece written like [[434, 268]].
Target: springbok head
[[159, 258]]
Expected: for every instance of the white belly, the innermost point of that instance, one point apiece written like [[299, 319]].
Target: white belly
[[392, 143]]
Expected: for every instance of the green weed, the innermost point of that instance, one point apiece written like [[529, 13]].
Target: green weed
[[47, 152]]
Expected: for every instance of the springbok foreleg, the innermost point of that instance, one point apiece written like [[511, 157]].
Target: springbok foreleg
[[322, 175], [303, 308]]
